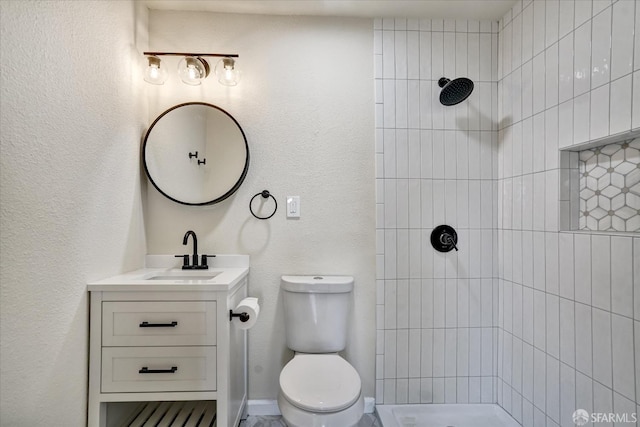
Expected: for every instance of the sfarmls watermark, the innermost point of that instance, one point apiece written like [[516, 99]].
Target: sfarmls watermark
[[582, 417]]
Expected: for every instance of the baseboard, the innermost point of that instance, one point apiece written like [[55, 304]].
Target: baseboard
[[369, 405], [263, 407]]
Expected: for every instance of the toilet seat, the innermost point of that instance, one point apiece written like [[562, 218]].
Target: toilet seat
[[320, 382]]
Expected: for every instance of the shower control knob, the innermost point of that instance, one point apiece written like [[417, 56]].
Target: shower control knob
[[444, 238]]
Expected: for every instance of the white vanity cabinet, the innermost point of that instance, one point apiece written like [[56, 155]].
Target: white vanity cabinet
[[167, 341]]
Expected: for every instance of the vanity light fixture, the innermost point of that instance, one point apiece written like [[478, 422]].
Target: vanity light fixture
[[193, 68], [154, 73], [226, 72]]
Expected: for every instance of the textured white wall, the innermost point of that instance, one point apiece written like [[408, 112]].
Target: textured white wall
[[306, 106], [71, 119]]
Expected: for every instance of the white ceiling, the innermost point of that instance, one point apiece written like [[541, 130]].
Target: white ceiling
[[451, 9]]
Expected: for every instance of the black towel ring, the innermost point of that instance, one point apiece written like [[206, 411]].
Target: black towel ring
[[265, 194]]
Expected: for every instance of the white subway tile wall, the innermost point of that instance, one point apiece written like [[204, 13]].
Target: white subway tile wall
[[539, 320], [569, 302], [437, 313]]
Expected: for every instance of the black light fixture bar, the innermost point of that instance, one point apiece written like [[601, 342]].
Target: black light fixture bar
[[193, 68], [220, 55]]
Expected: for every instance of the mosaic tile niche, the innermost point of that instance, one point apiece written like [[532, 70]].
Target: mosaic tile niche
[[610, 187]]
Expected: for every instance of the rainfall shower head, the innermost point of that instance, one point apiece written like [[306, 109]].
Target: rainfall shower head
[[454, 91]]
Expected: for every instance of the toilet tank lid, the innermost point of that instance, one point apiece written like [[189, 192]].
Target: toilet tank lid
[[318, 284]]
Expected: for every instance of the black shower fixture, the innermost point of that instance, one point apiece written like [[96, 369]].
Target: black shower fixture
[[444, 238], [454, 91]]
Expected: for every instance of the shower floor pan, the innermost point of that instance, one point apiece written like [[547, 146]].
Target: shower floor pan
[[445, 415]]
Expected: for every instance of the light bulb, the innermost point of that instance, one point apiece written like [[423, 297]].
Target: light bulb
[[154, 73], [226, 72], [193, 70]]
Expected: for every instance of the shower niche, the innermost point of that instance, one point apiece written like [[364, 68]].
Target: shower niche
[[600, 187]]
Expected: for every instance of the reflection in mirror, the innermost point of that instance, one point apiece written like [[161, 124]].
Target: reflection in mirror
[[196, 154]]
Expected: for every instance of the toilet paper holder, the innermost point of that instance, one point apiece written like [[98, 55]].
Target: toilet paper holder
[[244, 317]]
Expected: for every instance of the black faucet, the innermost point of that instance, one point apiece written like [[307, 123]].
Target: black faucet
[[185, 239], [185, 258]]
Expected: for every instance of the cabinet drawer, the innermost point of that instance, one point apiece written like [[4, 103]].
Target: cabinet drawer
[[149, 369], [158, 323]]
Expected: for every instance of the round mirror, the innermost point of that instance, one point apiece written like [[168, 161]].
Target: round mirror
[[196, 154]]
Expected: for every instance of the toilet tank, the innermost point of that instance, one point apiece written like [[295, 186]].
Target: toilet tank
[[316, 309]]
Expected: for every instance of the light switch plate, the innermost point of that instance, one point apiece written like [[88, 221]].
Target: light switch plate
[[293, 206]]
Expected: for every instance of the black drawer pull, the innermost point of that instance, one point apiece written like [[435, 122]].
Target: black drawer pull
[[159, 325], [146, 370]]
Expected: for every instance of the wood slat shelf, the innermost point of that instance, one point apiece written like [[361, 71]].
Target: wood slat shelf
[[173, 414]]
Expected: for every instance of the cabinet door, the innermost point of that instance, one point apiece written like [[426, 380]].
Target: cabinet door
[[158, 323], [149, 369]]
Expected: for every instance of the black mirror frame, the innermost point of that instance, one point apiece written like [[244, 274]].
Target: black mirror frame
[[211, 202]]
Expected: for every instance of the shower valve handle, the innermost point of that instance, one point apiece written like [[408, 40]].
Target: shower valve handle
[[444, 238]]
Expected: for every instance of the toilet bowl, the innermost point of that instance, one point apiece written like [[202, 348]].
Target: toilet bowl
[[320, 390]]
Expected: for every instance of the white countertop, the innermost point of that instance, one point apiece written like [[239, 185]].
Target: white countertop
[[228, 271]]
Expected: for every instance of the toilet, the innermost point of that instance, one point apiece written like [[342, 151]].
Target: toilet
[[318, 388]]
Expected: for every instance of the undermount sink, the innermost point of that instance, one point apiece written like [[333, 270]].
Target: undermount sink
[[164, 274], [182, 275]]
